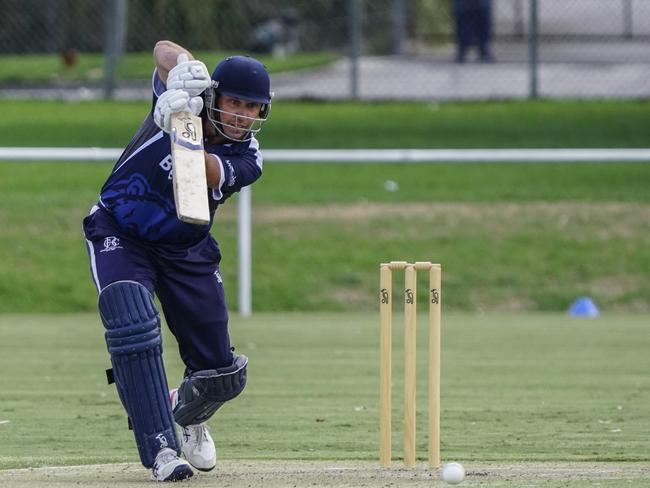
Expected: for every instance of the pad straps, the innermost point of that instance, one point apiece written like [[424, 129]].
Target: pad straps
[[203, 392]]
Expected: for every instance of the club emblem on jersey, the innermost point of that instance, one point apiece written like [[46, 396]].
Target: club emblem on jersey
[[134, 200], [111, 243]]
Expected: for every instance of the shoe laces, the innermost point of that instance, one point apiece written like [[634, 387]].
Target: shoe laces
[[197, 431], [165, 456]]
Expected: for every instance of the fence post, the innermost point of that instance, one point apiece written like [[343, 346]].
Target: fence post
[[114, 42], [519, 18], [244, 245], [355, 46], [533, 45], [399, 27], [628, 26]]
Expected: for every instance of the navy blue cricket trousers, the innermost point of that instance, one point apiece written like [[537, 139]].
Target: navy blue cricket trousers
[[186, 281]]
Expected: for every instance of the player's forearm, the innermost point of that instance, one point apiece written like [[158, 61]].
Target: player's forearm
[[165, 54], [212, 170]]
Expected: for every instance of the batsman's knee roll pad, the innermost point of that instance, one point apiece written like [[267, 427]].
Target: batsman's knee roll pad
[[202, 392], [133, 338]]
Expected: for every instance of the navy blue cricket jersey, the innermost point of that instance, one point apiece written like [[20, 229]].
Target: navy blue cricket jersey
[[139, 193]]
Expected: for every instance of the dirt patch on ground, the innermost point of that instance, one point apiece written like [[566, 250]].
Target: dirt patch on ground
[[564, 213], [599, 221], [272, 474]]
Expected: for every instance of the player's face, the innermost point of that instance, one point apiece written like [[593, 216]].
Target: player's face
[[237, 116]]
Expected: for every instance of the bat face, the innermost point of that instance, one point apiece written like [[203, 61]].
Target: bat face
[[190, 184]]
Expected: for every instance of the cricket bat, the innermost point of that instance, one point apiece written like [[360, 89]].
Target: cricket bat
[[188, 169]]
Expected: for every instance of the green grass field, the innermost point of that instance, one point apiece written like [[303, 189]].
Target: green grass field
[[529, 399], [515, 388], [512, 237], [295, 125]]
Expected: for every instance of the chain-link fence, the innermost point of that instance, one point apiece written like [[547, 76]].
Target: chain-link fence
[[386, 49]]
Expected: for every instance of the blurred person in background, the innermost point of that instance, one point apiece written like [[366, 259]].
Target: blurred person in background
[[473, 27]]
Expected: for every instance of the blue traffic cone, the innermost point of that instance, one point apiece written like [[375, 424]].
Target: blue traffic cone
[[584, 307]]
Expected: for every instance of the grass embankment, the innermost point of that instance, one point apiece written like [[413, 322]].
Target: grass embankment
[[36, 69], [510, 236]]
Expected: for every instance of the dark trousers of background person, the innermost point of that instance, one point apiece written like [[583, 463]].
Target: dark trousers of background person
[[473, 19]]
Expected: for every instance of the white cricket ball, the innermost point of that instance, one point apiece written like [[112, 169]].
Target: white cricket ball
[[453, 473]]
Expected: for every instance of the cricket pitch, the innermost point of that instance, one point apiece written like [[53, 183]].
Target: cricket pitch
[[272, 474]]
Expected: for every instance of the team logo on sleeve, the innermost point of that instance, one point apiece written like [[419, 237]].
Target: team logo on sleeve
[[233, 176], [111, 243]]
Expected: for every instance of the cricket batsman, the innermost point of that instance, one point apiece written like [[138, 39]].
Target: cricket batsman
[[138, 248]]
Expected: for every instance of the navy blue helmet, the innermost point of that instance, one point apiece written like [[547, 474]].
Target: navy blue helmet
[[244, 78]]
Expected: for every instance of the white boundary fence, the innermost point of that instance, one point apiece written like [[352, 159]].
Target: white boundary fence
[[356, 156]]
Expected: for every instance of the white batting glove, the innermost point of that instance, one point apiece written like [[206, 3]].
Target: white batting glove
[[191, 76], [173, 101]]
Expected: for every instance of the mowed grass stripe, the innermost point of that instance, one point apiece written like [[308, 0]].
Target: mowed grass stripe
[[62, 183], [495, 124], [515, 388]]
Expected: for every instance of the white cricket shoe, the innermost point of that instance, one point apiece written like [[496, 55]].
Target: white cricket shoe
[[169, 467], [198, 448], [197, 445]]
